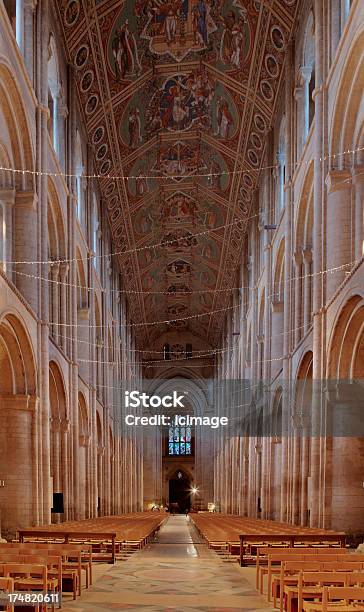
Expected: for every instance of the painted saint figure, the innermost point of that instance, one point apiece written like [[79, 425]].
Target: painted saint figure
[[141, 184], [135, 136], [125, 52], [224, 119], [233, 38]]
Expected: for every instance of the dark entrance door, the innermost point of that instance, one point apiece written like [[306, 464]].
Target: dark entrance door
[[179, 495]]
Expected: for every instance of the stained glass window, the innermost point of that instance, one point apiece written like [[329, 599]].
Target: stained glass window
[[179, 441]]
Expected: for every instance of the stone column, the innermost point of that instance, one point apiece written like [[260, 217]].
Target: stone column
[[298, 281], [305, 73], [319, 206], [75, 511], [299, 97], [338, 227], [29, 36], [307, 288], [63, 329], [358, 184], [65, 423], [288, 224], [54, 273]]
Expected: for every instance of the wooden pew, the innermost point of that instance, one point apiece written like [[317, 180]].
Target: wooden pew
[[338, 599], [69, 536], [289, 539]]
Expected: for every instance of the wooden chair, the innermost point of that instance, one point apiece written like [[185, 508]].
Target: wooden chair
[[7, 586], [28, 577]]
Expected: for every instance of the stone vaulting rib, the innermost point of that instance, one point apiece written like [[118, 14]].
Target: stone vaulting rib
[[172, 90]]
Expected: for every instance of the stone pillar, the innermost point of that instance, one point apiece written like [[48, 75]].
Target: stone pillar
[[307, 288], [358, 184], [63, 329], [335, 26], [65, 465], [338, 227], [299, 97], [288, 224], [54, 270], [41, 239], [29, 36], [305, 73], [75, 511], [298, 281], [319, 205]]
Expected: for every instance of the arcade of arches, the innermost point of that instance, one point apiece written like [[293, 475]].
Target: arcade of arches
[[187, 210]]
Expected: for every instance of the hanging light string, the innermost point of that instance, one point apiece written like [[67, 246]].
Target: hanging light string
[[202, 314], [52, 263], [65, 175], [164, 242], [245, 304], [207, 354]]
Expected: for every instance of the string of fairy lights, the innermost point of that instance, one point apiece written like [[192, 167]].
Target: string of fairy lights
[[200, 354], [174, 177]]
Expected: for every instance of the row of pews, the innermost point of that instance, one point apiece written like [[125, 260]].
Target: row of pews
[[58, 559], [298, 569], [240, 536]]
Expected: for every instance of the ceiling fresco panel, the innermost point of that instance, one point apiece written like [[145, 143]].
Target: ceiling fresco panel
[[177, 98]]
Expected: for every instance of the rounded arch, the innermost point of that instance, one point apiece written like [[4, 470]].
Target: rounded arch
[[18, 375], [304, 370], [57, 393], [347, 119], [346, 349], [185, 469], [195, 395], [13, 111]]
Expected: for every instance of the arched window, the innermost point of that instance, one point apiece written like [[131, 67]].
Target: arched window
[[15, 11], [307, 77], [281, 168], [54, 90], [96, 233], [179, 441], [79, 178], [345, 10]]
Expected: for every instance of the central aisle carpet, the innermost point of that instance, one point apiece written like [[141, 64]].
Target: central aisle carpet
[[177, 573]]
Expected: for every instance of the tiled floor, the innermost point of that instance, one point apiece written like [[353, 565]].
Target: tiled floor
[[176, 574]]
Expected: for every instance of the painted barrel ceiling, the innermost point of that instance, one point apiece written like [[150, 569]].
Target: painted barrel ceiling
[[177, 97]]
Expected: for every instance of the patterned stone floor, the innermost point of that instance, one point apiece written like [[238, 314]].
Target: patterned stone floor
[[176, 574]]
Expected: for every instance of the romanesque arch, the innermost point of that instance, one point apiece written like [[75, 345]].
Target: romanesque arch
[[18, 401], [346, 370]]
